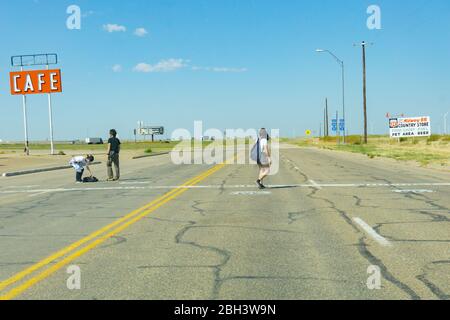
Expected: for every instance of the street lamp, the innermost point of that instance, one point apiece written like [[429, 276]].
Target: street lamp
[[341, 63]]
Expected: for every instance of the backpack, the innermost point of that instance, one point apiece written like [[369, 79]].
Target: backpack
[[90, 179], [256, 153]]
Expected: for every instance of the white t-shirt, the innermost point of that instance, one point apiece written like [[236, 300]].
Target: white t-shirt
[[263, 144], [79, 163]]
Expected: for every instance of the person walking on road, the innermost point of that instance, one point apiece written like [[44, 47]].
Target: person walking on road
[[263, 157], [113, 156]]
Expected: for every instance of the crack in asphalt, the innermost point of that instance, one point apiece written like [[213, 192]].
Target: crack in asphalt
[[364, 251], [9, 264], [427, 200], [197, 209], [217, 269], [362, 247], [286, 278], [19, 211], [429, 284], [117, 241], [295, 216], [360, 205], [333, 206]]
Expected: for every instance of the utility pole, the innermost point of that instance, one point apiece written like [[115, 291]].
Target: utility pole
[[326, 118], [363, 44]]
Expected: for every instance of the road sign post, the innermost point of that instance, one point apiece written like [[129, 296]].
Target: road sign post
[[50, 116], [342, 125], [338, 133], [25, 122], [36, 82], [334, 127]]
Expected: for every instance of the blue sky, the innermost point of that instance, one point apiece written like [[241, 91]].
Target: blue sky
[[230, 63]]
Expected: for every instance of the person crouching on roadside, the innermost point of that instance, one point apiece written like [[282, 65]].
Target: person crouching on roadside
[[81, 163]]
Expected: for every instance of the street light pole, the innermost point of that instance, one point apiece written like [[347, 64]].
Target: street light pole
[[445, 123], [343, 102], [341, 63], [363, 44], [327, 121]]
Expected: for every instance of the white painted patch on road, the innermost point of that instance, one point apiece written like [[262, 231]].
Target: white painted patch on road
[[315, 184], [372, 233], [147, 186], [250, 193], [39, 194], [135, 182], [414, 191]]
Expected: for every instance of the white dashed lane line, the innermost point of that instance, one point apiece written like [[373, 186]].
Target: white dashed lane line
[[312, 184], [372, 233]]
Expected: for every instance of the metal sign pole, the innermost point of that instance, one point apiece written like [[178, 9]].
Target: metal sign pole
[[338, 133], [50, 115], [25, 122]]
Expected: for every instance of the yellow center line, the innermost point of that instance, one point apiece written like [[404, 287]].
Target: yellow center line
[[119, 226]]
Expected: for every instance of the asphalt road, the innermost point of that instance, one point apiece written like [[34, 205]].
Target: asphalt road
[[327, 219]]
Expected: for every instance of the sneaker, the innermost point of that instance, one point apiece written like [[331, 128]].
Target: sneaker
[[259, 184], [109, 179]]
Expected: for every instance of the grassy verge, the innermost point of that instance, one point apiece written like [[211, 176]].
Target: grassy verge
[[434, 150], [144, 147]]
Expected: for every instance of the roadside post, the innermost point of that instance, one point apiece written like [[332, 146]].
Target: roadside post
[[50, 117], [338, 133], [334, 126], [25, 121], [342, 128], [36, 82]]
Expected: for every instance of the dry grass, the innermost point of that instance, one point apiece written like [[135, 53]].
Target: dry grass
[[434, 150]]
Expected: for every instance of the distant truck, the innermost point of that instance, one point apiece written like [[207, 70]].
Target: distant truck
[[94, 141]]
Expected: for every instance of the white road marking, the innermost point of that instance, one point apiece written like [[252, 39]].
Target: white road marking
[[251, 193], [315, 185], [142, 186], [26, 187], [372, 233], [414, 191], [136, 182], [38, 194]]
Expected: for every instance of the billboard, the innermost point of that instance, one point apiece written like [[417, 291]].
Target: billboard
[[148, 131], [35, 82], [410, 127]]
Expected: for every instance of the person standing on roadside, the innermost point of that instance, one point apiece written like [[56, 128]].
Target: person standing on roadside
[[113, 156], [263, 157]]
